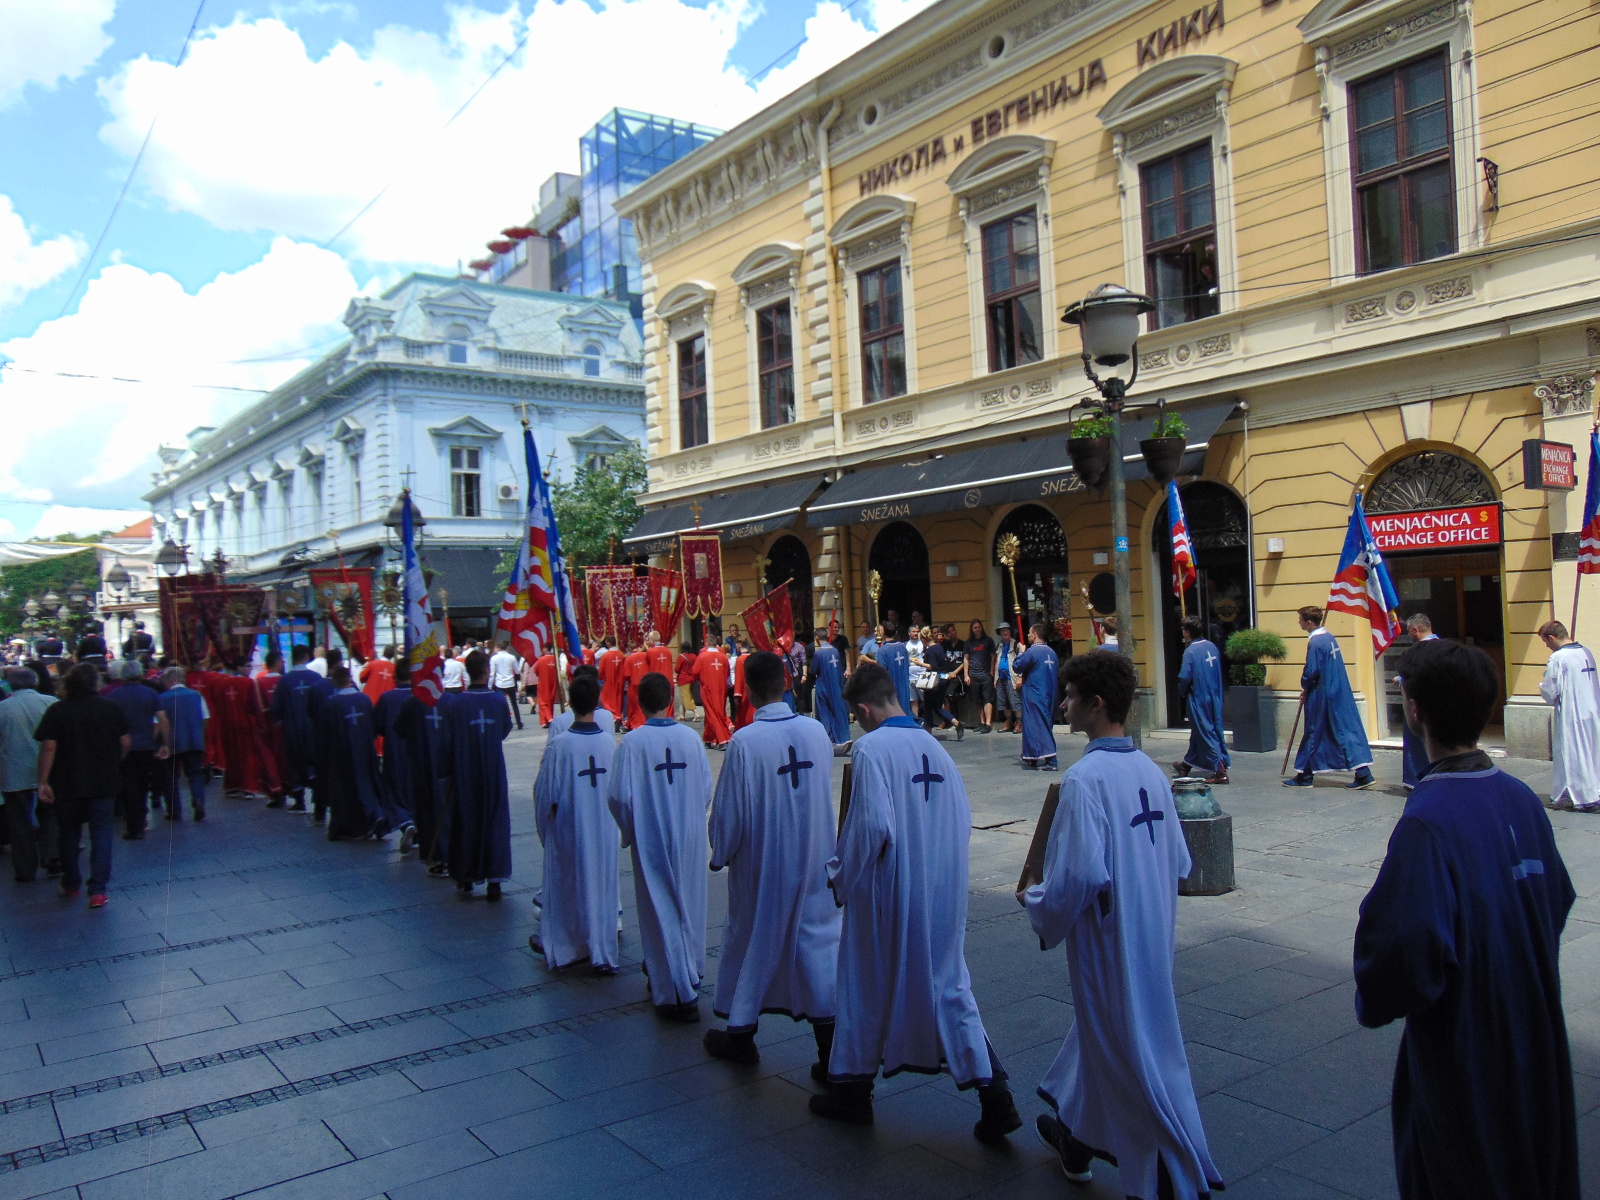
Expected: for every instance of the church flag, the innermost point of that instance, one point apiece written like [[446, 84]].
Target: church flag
[[1362, 586], [666, 602], [422, 644], [782, 610], [528, 608], [1183, 573], [1589, 536], [758, 624], [700, 552]]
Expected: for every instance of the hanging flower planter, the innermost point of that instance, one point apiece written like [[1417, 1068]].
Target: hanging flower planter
[[1089, 448], [1163, 456]]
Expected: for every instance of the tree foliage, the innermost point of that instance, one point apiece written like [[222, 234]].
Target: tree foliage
[[593, 507], [47, 575]]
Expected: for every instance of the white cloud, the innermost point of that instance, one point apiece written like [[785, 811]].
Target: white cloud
[[256, 134], [92, 440], [26, 264], [47, 41], [86, 522]]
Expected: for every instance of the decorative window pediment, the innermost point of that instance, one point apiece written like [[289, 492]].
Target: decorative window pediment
[[768, 270], [457, 304], [872, 225], [1168, 99], [349, 433], [1002, 169], [596, 320], [1351, 28], [466, 430], [368, 319], [686, 306], [311, 456], [600, 442]]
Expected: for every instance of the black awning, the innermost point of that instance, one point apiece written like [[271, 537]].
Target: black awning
[[469, 575], [1008, 473], [743, 513]]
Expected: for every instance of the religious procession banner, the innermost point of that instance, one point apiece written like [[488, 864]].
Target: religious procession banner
[[604, 601], [344, 596], [637, 618], [770, 621], [206, 621], [666, 602], [701, 555]]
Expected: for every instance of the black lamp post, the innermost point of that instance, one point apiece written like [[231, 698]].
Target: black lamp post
[[172, 558], [1109, 319]]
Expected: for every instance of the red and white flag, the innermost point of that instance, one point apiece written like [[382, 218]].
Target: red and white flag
[[528, 610], [1589, 536], [1362, 586], [1183, 574]]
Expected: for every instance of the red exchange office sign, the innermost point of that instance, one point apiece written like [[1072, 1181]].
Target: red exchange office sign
[[1437, 528]]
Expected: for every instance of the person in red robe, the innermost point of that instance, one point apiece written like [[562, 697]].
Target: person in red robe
[[609, 663], [685, 680], [377, 676], [266, 683], [747, 711], [204, 682], [711, 670], [634, 669], [236, 710], [588, 656], [657, 658], [544, 670]]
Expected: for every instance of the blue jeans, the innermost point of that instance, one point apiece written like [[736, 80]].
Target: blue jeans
[[191, 765], [33, 827], [100, 813]]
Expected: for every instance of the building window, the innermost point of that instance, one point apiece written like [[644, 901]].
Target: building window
[[775, 361], [591, 359], [883, 333], [1180, 236], [1404, 181], [693, 418], [456, 343], [466, 482], [1011, 290]]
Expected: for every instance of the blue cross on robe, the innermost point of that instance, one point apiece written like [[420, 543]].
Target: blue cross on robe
[[927, 779], [302, 687], [593, 774], [435, 716], [353, 716], [482, 721], [1210, 658], [795, 765], [1523, 867], [669, 766], [1148, 817]]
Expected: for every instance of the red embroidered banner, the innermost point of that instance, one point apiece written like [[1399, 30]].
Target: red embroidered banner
[[758, 624], [205, 622], [701, 555], [636, 622], [605, 600], [344, 597], [666, 602], [770, 621]]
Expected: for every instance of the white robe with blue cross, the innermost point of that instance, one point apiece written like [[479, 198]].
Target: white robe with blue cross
[[772, 827], [905, 997], [579, 896], [1112, 863], [660, 791]]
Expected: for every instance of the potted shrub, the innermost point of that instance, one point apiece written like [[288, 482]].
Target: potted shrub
[[1163, 449], [1089, 448], [1250, 708]]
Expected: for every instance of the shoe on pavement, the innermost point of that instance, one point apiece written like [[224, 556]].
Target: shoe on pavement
[[1073, 1155], [1299, 781], [408, 839], [719, 1043], [1219, 777], [199, 812], [71, 893], [1181, 768], [1000, 1115], [277, 802], [1361, 782], [1049, 765], [985, 728], [535, 944], [961, 731], [682, 1014], [98, 900], [819, 1075], [492, 892], [852, 1106]]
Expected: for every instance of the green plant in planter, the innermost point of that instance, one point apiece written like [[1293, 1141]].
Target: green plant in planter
[[1097, 426], [1245, 650], [1169, 425]]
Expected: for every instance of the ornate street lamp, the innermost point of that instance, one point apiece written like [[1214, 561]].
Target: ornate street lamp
[[172, 558], [31, 607], [118, 579], [51, 603], [1108, 319]]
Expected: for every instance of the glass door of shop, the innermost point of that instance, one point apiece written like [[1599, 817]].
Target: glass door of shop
[[1460, 593]]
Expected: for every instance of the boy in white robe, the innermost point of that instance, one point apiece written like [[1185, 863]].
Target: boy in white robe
[[579, 897], [900, 873], [562, 721], [1120, 1085], [1570, 686], [660, 793], [772, 826]]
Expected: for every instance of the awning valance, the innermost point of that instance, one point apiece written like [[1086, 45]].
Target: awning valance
[[743, 513], [1009, 473]]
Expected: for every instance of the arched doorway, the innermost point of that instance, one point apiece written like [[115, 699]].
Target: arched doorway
[[1220, 530], [900, 557], [1041, 568], [1457, 587], [790, 562]]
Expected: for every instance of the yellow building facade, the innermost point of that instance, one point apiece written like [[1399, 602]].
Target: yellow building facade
[[1370, 229]]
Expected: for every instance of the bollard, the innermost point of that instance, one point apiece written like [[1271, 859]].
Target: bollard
[[1208, 832]]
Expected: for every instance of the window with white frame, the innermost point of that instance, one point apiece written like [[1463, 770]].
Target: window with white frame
[[693, 412], [591, 359], [1180, 236], [872, 242], [685, 312], [455, 343], [775, 364], [466, 481], [1011, 290], [883, 332], [768, 279], [355, 489]]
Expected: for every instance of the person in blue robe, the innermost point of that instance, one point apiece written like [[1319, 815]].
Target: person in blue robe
[[475, 723], [348, 789], [294, 711], [1460, 936], [828, 694], [1334, 738], [421, 727], [1037, 668], [894, 658], [1200, 683], [1413, 754], [398, 784]]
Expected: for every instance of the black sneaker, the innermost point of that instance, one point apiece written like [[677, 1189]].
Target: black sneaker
[[961, 731], [1073, 1154], [277, 802], [492, 892], [408, 839], [1361, 782], [985, 728], [719, 1043], [1000, 1115]]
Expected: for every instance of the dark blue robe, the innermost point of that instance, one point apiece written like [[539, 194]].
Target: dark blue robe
[[421, 727], [1036, 668], [1334, 739], [1202, 672], [1460, 936], [347, 766], [828, 695], [475, 723], [294, 711], [397, 783], [896, 659]]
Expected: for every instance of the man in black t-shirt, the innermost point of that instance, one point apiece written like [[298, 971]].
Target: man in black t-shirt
[[980, 674], [82, 740]]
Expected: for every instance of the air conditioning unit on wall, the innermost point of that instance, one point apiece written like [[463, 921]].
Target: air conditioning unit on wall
[[510, 491]]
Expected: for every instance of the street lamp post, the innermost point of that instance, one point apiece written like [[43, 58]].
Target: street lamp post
[[1109, 318]]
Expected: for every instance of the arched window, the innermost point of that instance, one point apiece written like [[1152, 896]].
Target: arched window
[[1041, 568], [1431, 479], [591, 358], [455, 343], [900, 557], [790, 562]]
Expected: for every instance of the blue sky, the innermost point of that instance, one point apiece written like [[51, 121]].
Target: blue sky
[[282, 121]]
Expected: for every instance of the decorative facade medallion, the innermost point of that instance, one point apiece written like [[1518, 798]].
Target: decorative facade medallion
[[692, 466], [1155, 360], [1566, 394], [1405, 302], [1210, 347], [1183, 354], [1443, 290], [1369, 309]]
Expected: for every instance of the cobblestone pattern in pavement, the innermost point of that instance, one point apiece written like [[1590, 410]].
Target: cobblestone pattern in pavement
[[262, 1013]]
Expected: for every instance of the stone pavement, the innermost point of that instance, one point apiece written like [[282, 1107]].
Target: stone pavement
[[263, 1013]]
